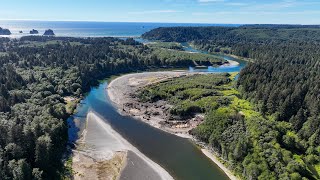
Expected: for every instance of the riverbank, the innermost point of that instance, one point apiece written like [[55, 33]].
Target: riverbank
[[214, 158], [121, 91], [231, 55], [231, 63], [102, 153]]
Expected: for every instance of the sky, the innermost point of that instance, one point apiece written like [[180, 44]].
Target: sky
[[175, 11]]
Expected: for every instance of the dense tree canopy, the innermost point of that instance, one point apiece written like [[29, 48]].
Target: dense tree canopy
[[266, 128], [36, 74], [283, 139]]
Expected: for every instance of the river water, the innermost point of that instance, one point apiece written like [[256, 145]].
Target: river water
[[179, 156]]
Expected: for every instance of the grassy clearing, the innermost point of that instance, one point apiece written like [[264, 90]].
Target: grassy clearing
[[233, 75], [233, 126], [166, 45], [196, 58], [230, 92], [317, 167], [189, 95]]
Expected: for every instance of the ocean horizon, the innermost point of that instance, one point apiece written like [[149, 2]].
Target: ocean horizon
[[91, 28]]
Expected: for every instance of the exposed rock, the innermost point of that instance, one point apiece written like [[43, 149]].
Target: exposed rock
[[49, 32], [20, 32], [4, 31], [33, 31]]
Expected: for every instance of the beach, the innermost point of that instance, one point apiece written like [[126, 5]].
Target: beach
[[102, 153], [121, 91]]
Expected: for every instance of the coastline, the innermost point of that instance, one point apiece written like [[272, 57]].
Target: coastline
[[120, 89], [102, 151]]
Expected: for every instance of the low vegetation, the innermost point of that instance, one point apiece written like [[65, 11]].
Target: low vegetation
[[169, 57], [265, 126], [190, 95], [253, 145], [166, 45], [41, 79], [283, 86]]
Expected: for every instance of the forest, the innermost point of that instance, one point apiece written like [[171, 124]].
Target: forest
[[281, 138], [265, 125], [37, 73], [253, 145]]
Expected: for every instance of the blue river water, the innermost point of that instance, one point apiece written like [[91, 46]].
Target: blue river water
[[218, 69], [179, 156]]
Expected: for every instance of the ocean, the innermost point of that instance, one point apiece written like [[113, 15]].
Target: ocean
[[90, 29]]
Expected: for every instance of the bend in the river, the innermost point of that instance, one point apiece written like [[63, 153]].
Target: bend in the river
[[179, 156]]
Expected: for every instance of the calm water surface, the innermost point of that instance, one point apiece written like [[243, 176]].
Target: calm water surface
[[90, 29], [211, 69], [179, 156]]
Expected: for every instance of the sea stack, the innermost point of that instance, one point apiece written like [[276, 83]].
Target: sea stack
[[33, 31], [49, 32], [4, 31]]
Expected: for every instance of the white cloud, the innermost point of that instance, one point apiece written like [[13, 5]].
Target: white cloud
[[236, 4], [156, 12], [232, 13], [284, 4], [210, 1]]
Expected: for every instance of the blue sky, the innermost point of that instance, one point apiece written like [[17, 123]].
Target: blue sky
[[185, 11]]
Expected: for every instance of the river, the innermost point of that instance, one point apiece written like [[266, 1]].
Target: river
[[179, 156]]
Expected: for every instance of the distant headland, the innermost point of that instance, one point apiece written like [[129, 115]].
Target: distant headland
[[4, 31]]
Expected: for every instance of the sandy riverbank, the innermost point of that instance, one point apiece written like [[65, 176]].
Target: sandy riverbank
[[218, 163], [102, 153], [121, 92], [232, 63]]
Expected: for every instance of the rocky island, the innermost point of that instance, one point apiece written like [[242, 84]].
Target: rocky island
[[4, 31], [49, 32], [33, 31]]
